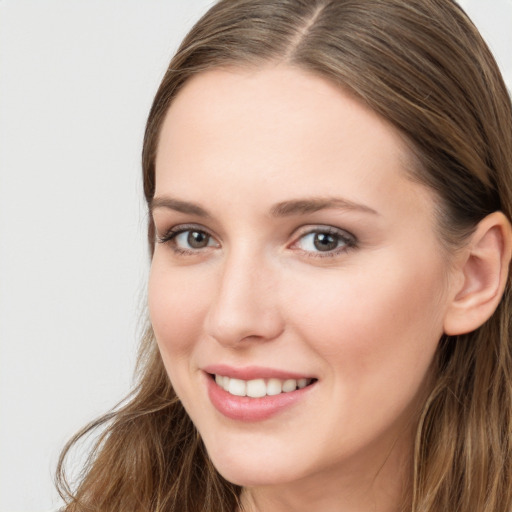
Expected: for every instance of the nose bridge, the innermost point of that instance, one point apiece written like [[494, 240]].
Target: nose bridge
[[245, 303]]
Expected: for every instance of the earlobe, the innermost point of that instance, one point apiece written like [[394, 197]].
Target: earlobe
[[482, 275]]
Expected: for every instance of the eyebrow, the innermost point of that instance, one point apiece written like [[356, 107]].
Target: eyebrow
[[177, 205], [315, 204], [282, 209]]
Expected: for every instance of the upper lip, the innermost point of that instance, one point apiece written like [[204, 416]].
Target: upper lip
[[253, 372]]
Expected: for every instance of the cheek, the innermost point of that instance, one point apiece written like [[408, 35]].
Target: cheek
[[176, 300], [375, 326]]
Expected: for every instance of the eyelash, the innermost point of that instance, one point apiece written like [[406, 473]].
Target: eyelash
[[348, 240], [170, 238]]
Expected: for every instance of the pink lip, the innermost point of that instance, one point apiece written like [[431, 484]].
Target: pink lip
[[244, 408], [252, 372]]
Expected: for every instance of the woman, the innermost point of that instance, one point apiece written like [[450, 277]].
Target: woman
[[329, 190]]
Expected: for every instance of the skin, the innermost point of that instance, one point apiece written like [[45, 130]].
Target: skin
[[364, 319]]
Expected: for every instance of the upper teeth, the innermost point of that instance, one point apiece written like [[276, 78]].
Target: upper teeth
[[259, 387]]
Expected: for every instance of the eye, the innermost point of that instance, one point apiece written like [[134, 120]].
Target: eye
[[192, 239], [186, 240], [330, 241]]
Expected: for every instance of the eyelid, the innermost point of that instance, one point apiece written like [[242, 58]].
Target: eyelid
[[171, 233], [348, 238]]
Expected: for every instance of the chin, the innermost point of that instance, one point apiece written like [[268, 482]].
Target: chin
[[250, 475], [255, 467]]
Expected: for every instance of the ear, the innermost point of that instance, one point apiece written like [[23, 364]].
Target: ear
[[482, 272]]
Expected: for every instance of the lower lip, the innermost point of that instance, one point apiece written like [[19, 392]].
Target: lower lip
[[244, 408]]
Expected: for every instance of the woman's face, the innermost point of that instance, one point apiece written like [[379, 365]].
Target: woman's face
[[292, 251]]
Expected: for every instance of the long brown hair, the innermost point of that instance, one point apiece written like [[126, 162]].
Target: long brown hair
[[422, 65]]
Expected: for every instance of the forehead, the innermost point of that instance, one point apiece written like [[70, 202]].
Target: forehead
[[277, 129]]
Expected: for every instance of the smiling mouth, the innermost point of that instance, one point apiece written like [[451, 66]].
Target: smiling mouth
[[258, 388]]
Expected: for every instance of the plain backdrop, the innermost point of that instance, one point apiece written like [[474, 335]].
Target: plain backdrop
[[76, 82]]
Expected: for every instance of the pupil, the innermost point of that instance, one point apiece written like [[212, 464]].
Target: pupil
[[325, 242], [197, 239]]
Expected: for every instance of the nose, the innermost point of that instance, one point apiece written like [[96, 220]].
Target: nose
[[245, 306]]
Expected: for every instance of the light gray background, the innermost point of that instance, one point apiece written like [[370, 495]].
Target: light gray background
[[76, 82]]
